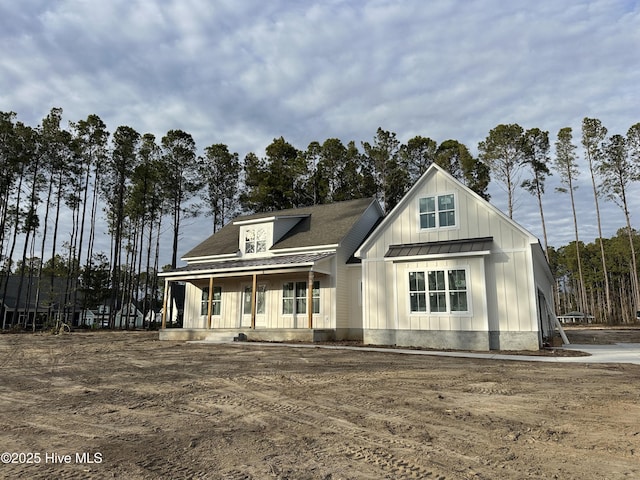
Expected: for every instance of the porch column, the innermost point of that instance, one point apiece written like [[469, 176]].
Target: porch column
[[210, 302], [310, 299], [164, 304], [254, 296]]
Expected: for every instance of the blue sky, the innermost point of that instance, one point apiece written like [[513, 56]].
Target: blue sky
[[243, 72]]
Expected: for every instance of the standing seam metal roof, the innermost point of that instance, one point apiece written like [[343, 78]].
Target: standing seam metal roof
[[440, 248], [255, 263]]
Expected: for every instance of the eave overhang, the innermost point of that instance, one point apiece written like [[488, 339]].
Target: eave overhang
[[261, 266]]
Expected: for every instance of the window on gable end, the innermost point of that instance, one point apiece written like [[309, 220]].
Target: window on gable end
[[437, 211]]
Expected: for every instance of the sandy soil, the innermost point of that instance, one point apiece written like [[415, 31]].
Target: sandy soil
[[143, 409]]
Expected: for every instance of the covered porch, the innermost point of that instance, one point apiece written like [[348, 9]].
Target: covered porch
[[282, 298]]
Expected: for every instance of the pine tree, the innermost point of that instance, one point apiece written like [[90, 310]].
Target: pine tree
[[566, 166]]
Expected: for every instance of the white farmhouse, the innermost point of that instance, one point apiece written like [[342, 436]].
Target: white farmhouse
[[444, 269]]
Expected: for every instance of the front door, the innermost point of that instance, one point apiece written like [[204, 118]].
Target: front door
[[261, 321]]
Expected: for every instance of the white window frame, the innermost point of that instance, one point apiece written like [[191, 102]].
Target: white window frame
[[204, 302], [299, 302], [252, 243], [418, 292], [448, 291], [437, 211]]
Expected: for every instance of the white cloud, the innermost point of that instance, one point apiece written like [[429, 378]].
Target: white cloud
[[245, 72]]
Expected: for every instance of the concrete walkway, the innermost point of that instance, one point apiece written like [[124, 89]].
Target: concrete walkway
[[617, 353]]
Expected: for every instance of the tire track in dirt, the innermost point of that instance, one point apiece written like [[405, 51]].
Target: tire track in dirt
[[488, 388], [380, 451], [399, 468]]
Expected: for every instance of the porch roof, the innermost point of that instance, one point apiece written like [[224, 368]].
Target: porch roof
[[447, 247], [306, 260]]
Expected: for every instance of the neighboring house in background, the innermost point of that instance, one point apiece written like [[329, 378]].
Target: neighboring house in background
[[128, 317], [89, 318], [283, 275], [444, 269], [576, 317], [30, 298]]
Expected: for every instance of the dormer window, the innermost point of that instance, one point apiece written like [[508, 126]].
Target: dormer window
[[438, 211], [255, 240]]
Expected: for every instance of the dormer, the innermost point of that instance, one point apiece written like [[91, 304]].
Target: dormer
[[258, 235]]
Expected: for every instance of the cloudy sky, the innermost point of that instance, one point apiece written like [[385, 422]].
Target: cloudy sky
[[242, 72]]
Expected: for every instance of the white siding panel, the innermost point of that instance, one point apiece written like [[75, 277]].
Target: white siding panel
[[344, 288], [231, 304], [191, 314], [354, 274]]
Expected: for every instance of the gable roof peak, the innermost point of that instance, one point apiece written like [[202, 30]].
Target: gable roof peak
[[435, 169]]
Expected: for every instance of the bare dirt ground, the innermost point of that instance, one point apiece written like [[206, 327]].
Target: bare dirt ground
[[124, 405]]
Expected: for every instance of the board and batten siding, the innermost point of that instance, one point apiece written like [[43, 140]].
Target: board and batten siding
[[474, 221], [501, 283], [510, 292], [345, 285], [229, 314], [354, 301]]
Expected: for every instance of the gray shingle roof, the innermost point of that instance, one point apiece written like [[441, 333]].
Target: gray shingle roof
[[323, 225], [440, 248]]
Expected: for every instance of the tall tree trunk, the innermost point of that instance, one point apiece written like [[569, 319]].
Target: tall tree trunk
[[605, 275], [94, 210], [544, 226], [16, 228], [156, 267], [146, 303], [582, 291], [44, 240], [29, 228], [176, 232], [56, 221], [81, 239]]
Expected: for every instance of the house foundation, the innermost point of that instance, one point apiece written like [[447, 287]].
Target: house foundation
[[309, 335]]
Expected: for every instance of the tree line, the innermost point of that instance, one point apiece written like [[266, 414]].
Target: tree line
[[599, 278], [64, 185]]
